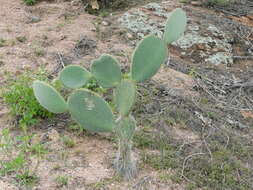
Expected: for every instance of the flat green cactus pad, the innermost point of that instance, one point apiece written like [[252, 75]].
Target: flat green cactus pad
[[90, 111], [49, 98], [147, 58], [175, 26], [107, 71], [74, 76], [124, 96]]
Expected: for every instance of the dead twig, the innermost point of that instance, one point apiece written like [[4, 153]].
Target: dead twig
[[184, 163], [242, 57], [243, 85]]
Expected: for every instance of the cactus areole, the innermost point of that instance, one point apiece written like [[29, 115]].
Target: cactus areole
[[91, 111]]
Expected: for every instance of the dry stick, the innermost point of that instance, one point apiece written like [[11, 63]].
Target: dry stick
[[245, 84], [242, 57], [61, 60], [204, 140], [220, 101], [185, 160]]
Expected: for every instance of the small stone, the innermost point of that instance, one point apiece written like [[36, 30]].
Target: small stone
[[53, 135], [34, 19], [105, 23], [196, 3], [130, 36], [201, 46], [75, 2]]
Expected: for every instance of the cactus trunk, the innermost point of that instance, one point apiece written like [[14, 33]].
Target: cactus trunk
[[124, 163]]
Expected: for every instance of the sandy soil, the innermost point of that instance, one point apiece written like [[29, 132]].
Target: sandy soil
[[61, 29]]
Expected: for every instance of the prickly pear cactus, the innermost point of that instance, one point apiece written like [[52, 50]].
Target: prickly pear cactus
[[49, 98], [91, 111], [124, 162], [147, 58], [124, 96], [175, 26], [96, 115], [74, 76], [107, 71]]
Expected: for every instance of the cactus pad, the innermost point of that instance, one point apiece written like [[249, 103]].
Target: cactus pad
[[90, 111], [175, 25], [49, 98], [124, 96], [147, 58], [107, 71], [74, 76]]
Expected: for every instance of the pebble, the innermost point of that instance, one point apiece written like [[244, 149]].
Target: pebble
[[196, 3], [105, 23]]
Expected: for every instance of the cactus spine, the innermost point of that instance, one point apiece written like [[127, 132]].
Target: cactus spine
[[91, 111]]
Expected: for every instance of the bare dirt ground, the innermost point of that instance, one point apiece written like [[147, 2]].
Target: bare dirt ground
[[191, 108]]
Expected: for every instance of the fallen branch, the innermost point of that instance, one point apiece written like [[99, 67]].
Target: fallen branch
[[243, 57]]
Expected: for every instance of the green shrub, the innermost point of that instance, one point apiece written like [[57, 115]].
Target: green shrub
[[30, 2], [18, 95]]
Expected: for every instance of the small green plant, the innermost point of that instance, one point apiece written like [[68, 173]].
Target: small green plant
[[39, 52], [12, 165], [16, 156], [91, 111], [21, 39], [68, 142], [18, 95], [30, 2], [62, 181], [2, 42], [26, 179]]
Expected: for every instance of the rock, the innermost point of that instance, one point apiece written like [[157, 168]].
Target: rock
[[206, 47], [105, 23], [33, 19], [75, 2], [130, 36], [179, 83], [196, 3], [202, 42]]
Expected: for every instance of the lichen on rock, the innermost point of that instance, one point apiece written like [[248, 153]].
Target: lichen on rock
[[216, 48], [205, 41]]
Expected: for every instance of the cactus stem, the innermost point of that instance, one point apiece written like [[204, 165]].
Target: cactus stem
[[124, 162]]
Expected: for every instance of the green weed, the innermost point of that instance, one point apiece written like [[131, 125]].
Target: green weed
[[26, 179], [2, 42], [30, 2], [102, 184], [68, 142], [39, 52], [21, 39], [62, 181], [94, 86], [13, 165], [18, 95]]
